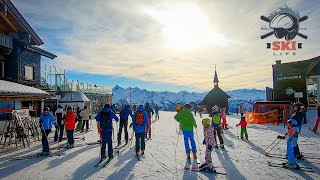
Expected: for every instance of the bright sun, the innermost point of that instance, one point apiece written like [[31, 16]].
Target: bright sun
[[186, 27]]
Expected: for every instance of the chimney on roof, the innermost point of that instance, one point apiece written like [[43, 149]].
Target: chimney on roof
[[278, 61]]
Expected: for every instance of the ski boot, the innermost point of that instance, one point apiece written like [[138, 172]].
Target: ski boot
[[204, 165], [44, 154], [291, 166], [222, 146], [299, 156], [208, 168]]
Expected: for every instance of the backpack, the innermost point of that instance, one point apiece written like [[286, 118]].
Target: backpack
[[216, 119], [139, 118], [105, 120]]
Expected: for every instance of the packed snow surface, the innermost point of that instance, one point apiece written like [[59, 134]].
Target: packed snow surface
[[165, 157]]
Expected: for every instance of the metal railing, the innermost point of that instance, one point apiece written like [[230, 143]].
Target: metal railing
[[54, 78]]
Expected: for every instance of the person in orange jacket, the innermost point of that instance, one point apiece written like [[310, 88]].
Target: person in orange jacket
[[70, 119]]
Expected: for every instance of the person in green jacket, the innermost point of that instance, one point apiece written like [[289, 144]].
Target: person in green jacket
[[187, 122]]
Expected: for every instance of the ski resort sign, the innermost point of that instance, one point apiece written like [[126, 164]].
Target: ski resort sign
[[284, 23]]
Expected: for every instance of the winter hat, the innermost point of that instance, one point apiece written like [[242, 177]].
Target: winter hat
[[206, 122], [107, 106]]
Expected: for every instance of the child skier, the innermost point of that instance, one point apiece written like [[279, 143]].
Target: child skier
[[243, 125], [216, 123], [140, 125], [70, 119], [46, 121], [187, 122], [292, 136], [210, 142], [299, 116], [224, 118]]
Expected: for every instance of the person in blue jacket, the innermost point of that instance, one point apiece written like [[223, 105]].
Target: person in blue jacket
[[46, 121], [140, 125], [104, 120], [124, 115], [299, 116], [292, 142]]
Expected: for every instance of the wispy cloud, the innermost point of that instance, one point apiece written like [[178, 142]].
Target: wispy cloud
[[118, 38]]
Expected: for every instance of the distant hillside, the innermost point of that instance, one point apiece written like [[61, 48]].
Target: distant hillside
[[168, 99]]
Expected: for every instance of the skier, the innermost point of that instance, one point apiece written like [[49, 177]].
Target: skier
[[140, 125], [299, 117], [243, 125], [59, 113], [237, 110], [46, 121], [124, 115], [104, 119], [210, 142], [187, 122], [85, 114], [79, 119], [150, 113], [70, 118], [241, 110], [156, 109], [316, 124], [224, 118], [216, 123], [292, 136], [179, 107]]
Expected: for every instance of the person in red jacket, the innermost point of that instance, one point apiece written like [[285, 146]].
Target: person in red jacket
[[70, 119], [243, 125]]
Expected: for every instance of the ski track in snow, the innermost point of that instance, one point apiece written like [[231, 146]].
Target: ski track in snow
[[240, 159]]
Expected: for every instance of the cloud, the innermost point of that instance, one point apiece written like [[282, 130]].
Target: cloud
[[118, 38]]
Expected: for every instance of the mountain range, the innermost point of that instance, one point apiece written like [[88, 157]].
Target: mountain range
[[167, 100]]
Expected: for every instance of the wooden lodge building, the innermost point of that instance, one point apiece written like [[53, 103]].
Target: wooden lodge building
[[20, 56], [215, 97]]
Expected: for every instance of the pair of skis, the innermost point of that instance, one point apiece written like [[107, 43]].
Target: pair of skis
[[284, 165], [33, 156], [106, 161], [281, 156], [197, 169]]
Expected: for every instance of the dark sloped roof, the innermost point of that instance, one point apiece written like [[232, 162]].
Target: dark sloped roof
[[36, 40], [74, 96], [8, 88], [215, 93]]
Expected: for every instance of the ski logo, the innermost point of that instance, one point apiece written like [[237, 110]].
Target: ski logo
[[284, 23]]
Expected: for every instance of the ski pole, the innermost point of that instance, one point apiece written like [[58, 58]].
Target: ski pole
[[175, 153], [268, 147], [131, 138], [238, 132], [304, 135], [112, 133], [59, 144], [274, 146], [198, 142]]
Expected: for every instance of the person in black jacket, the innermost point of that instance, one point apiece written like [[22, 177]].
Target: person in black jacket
[[59, 113], [150, 113]]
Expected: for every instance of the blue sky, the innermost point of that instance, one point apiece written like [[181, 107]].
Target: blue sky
[[166, 45]]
